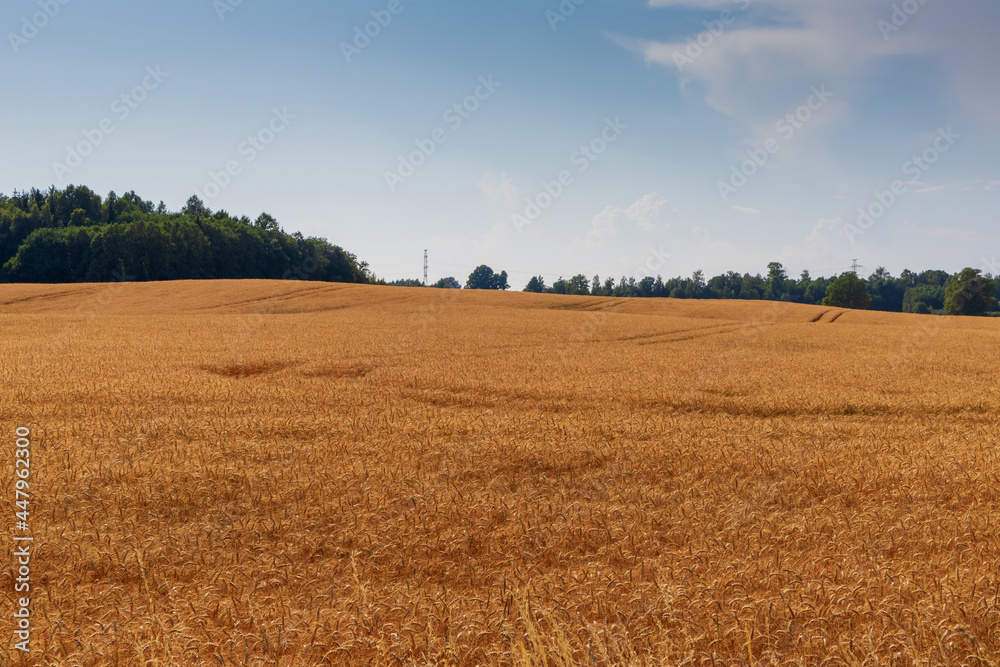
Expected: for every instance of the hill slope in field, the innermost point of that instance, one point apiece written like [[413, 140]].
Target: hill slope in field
[[303, 473], [289, 296]]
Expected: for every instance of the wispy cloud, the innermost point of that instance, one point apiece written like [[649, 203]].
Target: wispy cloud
[[500, 192], [644, 213], [766, 56], [818, 246]]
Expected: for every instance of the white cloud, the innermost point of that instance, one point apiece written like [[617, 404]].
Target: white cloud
[[748, 211], [645, 213], [818, 246], [775, 50], [502, 196], [500, 192], [604, 224], [757, 75]]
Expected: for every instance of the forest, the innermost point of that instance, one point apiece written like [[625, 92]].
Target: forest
[[73, 235], [968, 292]]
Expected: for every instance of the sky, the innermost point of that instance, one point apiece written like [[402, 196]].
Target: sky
[[610, 137]]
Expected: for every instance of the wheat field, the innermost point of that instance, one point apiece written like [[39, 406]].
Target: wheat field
[[287, 473]]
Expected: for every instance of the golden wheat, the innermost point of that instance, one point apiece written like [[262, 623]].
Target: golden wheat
[[283, 473]]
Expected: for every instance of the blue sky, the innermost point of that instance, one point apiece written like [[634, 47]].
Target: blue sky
[[659, 136]]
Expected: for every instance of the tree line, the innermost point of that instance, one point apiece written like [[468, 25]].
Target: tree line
[[968, 292], [73, 235]]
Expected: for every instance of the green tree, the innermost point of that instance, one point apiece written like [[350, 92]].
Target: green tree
[[848, 291], [578, 284], [195, 209], [695, 288], [266, 222], [646, 286], [78, 218], [448, 283], [483, 277], [595, 286], [969, 293], [80, 243], [61, 204], [726, 286], [42, 258], [535, 285], [776, 277], [933, 277], [887, 292], [816, 291], [752, 287], [923, 299]]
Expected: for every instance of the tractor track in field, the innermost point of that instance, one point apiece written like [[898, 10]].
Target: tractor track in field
[[691, 334], [48, 297], [647, 337], [293, 293]]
